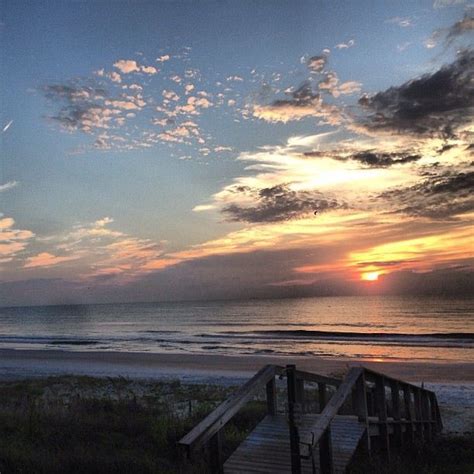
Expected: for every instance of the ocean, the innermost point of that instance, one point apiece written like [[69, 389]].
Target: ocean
[[375, 328]]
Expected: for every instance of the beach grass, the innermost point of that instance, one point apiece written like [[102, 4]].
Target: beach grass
[[118, 425]]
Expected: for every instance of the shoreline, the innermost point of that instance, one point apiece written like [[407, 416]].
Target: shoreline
[[20, 363]]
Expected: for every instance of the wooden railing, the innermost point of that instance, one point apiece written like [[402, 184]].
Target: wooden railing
[[416, 414], [409, 412], [208, 433]]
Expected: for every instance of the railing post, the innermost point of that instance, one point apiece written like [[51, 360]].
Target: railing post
[[397, 427], [418, 414], [361, 408], [216, 461], [322, 395], [294, 435], [426, 413], [408, 412], [271, 397], [382, 413], [325, 452]]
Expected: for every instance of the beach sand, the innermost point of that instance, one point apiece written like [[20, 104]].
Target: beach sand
[[452, 382]]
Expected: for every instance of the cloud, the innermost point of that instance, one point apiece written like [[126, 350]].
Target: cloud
[[12, 241], [302, 103], [347, 45], [439, 197], [127, 66], [8, 185], [45, 259], [450, 35], [149, 69], [436, 104], [403, 22], [316, 63], [163, 58], [279, 203]]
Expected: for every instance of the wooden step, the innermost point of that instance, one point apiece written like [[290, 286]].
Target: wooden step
[[267, 448]]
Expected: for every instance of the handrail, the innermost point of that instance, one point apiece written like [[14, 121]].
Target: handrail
[[208, 427], [371, 372], [344, 391], [331, 409], [310, 377]]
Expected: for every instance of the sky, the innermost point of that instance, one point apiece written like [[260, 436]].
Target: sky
[[177, 150]]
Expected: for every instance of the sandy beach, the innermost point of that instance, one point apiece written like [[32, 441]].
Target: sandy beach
[[26, 363], [453, 383]]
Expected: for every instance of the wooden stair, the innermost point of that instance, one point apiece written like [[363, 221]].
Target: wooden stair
[[267, 448], [391, 412]]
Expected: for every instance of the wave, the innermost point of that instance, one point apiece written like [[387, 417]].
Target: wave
[[355, 335]]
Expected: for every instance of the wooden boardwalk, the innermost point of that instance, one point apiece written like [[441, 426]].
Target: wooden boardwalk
[[365, 408], [267, 448]]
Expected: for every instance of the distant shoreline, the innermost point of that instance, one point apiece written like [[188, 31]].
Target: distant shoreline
[[206, 368]]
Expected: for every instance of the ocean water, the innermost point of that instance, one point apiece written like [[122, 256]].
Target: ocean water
[[429, 329]]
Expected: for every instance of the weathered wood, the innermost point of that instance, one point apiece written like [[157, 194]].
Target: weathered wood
[[272, 405], [361, 408], [216, 420], [316, 378], [382, 414], [335, 403], [409, 415], [267, 449], [215, 448], [322, 395], [294, 435], [325, 452], [396, 412], [418, 413]]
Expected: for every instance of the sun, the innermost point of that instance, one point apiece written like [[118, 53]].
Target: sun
[[370, 276]]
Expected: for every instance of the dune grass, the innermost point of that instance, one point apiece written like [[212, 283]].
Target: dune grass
[[91, 425]]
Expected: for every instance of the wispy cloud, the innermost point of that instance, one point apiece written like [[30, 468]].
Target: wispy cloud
[[8, 185]]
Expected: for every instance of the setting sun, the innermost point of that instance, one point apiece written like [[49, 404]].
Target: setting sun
[[371, 276]]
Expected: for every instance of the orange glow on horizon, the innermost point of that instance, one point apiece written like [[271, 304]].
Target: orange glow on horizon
[[370, 276]]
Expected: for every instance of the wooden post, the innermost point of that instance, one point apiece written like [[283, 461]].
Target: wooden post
[[325, 452], [361, 408], [418, 414], [410, 429], [294, 435], [216, 461], [300, 394], [272, 405], [382, 414], [322, 395], [397, 427], [426, 413]]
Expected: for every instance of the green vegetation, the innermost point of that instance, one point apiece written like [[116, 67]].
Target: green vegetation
[[92, 425], [89, 425]]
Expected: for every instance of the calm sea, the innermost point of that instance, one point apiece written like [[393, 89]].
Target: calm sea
[[361, 327]]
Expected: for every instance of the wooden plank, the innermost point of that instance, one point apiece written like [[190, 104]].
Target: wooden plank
[[293, 428], [267, 448], [382, 414]]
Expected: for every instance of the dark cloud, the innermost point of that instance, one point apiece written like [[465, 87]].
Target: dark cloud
[[279, 203], [461, 27], [438, 197], [80, 106], [434, 105], [316, 63], [384, 263], [371, 158]]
